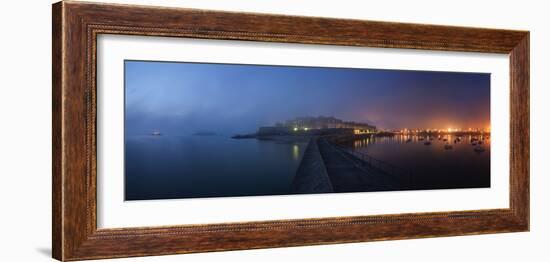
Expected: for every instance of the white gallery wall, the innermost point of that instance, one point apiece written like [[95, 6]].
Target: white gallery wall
[[25, 129]]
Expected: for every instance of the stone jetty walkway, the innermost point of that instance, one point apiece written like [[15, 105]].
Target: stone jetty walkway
[[347, 173]]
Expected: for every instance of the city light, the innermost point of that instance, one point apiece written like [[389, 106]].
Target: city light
[[436, 130]]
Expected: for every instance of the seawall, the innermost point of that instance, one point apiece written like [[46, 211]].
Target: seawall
[[311, 176]]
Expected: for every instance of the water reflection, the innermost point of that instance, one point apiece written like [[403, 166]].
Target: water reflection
[[435, 161], [295, 152]]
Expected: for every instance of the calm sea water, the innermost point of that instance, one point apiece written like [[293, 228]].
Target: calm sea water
[[432, 166], [166, 167]]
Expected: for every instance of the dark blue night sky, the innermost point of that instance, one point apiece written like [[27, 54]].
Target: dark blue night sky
[[183, 98]]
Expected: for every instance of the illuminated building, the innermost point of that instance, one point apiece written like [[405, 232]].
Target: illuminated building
[[323, 122]]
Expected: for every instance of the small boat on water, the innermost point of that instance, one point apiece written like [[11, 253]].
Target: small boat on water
[[474, 143], [479, 149], [409, 140], [427, 143], [445, 139], [156, 132], [447, 147]]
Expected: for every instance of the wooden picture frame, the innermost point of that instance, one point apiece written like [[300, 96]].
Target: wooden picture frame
[[76, 26]]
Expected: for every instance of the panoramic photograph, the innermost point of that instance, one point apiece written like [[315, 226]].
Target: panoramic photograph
[[198, 130]]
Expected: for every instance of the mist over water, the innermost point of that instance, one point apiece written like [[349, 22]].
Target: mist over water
[[179, 119]]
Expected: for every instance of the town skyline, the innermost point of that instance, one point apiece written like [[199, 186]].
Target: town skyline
[[449, 128]]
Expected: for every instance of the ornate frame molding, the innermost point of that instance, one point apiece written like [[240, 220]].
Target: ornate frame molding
[[76, 26]]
